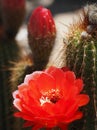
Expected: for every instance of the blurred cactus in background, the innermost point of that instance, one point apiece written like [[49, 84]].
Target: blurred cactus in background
[[12, 14]]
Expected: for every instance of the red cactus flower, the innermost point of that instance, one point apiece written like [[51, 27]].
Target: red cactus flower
[[41, 23], [50, 98]]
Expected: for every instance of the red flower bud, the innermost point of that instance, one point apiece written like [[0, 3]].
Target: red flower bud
[[41, 23], [41, 34]]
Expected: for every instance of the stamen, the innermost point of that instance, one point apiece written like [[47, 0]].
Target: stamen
[[44, 100], [54, 99], [52, 96]]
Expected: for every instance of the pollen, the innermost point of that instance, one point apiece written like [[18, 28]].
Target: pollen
[[44, 100]]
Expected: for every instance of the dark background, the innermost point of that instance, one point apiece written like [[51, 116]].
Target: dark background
[[60, 6]]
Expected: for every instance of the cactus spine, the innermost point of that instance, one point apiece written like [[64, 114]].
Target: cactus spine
[[9, 52], [20, 69], [81, 57]]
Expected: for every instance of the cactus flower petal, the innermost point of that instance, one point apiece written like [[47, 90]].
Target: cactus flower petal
[[50, 98]]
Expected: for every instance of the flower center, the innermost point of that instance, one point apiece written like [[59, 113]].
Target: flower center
[[51, 96], [54, 99]]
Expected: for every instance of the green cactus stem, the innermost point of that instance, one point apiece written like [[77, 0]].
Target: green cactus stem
[[81, 57]]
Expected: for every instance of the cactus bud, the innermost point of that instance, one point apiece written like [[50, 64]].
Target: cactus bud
[[41, 34], [41, 23]]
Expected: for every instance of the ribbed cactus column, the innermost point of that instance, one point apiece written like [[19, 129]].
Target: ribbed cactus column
[[82, 59], [11, 11]]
